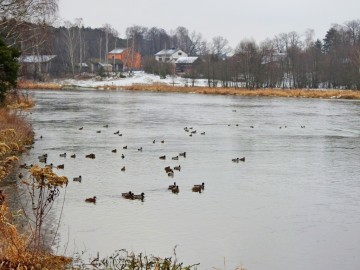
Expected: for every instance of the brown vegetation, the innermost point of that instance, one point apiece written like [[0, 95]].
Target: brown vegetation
[[38, 85], [15, 135], [299, 93], [16, 100]]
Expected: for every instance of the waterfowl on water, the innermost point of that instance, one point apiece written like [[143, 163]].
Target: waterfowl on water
[[196, 188], [238, 159], [140, 149], [175, 189], [162, 141], [172, 186], [49, 166], [92, 156], [106, 126], [122, 156], [202, 133], [183, 154], [153, 141], [177, 168], [139, 197], [162, 157], [202, 186], [123, 169], [73, 156], [28, 166], [114, 151], [91, 200], [63, 155], [77, 179], [175, 158], [128, 195], [125, 147], [117, 132], [61, 166], [20, 176], [99, 131], [81, 128], [22, 166]]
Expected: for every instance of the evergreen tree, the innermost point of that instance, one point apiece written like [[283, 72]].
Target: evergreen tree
[[8, 68]]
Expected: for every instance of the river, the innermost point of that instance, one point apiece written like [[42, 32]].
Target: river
[[293, 204]]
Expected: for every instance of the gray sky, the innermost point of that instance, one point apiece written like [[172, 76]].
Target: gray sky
[[232, 19]]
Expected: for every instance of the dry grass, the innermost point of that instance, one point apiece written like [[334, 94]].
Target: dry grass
[[303, 93], [16, 100], [38, 85], [161, 87], [15, 252], [15, 135]]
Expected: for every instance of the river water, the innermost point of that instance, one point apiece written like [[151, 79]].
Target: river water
[[293, 204]]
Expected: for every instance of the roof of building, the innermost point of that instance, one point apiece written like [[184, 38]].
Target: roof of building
[[117, 51], [36, 58], [168, 52], [105, 65], [186, 60]]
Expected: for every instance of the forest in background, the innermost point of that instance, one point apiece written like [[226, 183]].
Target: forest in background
[[287, 60]]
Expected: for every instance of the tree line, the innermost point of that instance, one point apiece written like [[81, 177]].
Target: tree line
[[288, 60]]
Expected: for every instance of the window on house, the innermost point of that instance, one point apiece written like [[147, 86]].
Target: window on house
[[160, 59], [179, 53], [167, 59]]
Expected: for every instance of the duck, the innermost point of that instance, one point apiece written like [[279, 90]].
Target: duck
[[21, 176], [92, 156], [202, 133], [120, 135], [49, 166], [43, 156], [162, 157], [125, 147], [99, 131], [139, 197], [73, 156], [63, 155], [162, 141], [43, 159], [117, 132], [177, 168], [170, 174], [202, 186], [61, 166], [77, 179], [2, 197], [196, 188], [175, 189], [122, 156], [28, 166], [114, 151], [238, 159], [172, 186], [22, 166], [91, 200], [183, 154], [251, 126], [153, 141], [123, 169], [106, 126], [81, 128], [175, 158], [128, 195], [193, 132], [140, 149]]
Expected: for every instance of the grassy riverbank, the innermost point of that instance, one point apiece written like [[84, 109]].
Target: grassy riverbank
[[159, 87]]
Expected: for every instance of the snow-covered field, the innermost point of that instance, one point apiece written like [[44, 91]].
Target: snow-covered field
[[138, 77]]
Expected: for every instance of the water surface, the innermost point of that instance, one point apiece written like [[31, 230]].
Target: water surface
[[294, 204]]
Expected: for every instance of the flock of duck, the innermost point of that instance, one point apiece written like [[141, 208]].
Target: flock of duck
[[127, 195]]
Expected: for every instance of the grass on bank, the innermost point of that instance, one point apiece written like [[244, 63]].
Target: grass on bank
[[161, 87]]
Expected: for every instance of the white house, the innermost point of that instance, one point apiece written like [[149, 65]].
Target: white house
[[170, 56]]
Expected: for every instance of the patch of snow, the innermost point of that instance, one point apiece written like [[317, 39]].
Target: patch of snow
[[138, 77]]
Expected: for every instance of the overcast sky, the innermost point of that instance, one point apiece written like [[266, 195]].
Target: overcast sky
[[232, 19]]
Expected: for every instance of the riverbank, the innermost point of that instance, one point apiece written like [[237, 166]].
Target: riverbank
[[165, 87]]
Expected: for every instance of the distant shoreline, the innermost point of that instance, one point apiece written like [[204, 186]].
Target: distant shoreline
[[158, 87]]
